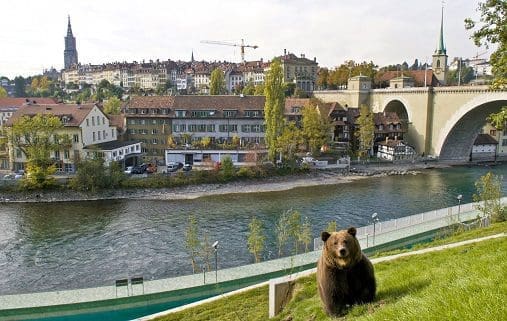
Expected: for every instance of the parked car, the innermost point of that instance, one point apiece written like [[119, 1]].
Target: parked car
[[13, 176], [139, 169], [128, 169], [187, 167], [172, 167]]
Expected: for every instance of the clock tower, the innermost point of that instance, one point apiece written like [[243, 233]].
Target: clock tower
[[439, 64]]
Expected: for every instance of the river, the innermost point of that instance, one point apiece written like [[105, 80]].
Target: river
[[56, 246]]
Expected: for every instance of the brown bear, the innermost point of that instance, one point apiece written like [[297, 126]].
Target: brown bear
[[344, 274]]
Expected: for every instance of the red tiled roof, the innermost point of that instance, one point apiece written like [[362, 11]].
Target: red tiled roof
[[17, 102], [77, 113], [417, 75]]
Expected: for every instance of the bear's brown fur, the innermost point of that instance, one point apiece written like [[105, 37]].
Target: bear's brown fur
[[344, 274]]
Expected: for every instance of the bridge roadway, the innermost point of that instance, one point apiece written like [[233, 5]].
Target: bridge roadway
[[133, 301]]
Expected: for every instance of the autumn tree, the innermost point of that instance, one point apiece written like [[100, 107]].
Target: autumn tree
[[491, 29], [249, 89], [322, 78], [217, 82], [499, 120], [305, 236], [489, 193], [259, 90], [112, 106], [37, 138], [192, 243], [316, 127], [294, 228], [282, 231], [366, 129], [255, 238], [332, 226], [3, 92], [206, 251], [274, 107]]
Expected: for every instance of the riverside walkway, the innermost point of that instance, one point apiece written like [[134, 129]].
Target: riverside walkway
[[130, 300]]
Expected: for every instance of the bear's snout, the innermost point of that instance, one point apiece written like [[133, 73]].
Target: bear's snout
[[343, 252]]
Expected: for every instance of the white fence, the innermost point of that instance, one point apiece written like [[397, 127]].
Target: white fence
[[386, 231]]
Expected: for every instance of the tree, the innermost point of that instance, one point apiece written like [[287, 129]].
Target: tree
[[294, 228], [19, 86], [489, 193], [322, 78], [205, 142], [288, 143], [192, 243], [3, 92], [217, 82], [249, 89], [227, 167], [499, 120], [37, 138], [305, 237], [332, 226], [206, 251], [282, 231], [290, 89], [112, 106], [274, 106], [366, 129], [259, 90], [255, 238], [90, 175], [492, 31], [316, 127]]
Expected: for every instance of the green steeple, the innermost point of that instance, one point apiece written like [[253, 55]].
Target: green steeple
[[440, 46]]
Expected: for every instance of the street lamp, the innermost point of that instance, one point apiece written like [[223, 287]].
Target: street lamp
[[375, 220], [215, 247], [459, 197]]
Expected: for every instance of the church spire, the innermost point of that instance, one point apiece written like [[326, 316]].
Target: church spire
[[69, 27], [192, 59], [440, 46]]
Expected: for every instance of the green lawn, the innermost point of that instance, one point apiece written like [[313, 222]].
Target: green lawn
[[465, 283]]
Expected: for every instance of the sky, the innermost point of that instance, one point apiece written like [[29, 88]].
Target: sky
[[383, 31]]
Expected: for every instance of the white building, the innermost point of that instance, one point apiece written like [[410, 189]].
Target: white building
[[395, 150]]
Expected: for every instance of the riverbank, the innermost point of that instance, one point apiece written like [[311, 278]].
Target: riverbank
[[271, 184]]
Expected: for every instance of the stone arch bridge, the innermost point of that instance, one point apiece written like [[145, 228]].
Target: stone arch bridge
[[442, 121]]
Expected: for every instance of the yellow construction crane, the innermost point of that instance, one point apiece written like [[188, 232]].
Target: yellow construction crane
[[241, 45]]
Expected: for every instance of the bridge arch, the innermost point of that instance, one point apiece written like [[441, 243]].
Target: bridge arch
[[400, 107], [455, 139]]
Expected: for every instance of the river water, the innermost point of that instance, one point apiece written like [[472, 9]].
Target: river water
[[55, 246]]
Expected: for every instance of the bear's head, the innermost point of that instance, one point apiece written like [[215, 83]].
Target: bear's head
[[341, 249]]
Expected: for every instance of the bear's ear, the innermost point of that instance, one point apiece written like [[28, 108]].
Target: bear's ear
[[352, 231], [325, 235]]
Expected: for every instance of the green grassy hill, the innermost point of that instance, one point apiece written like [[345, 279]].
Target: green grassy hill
[[464, 283]]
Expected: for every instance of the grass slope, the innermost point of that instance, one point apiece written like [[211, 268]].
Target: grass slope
[[465, 283]]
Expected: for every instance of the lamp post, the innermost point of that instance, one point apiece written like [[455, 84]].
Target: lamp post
[[459, 197], [375, 220], [215, 247]]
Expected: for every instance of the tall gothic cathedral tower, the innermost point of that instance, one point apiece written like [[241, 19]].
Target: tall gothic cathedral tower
[[439, 64], [70, 52]]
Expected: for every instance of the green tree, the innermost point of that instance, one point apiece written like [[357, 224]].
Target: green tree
[[227, 167], [366, 129], [249, 89], [19, 86], [499, 120], [274, 106], [255, 238], [491, 29], [90, 175], [37, 138], [206, 251], [294, 228], [282, 231], [316, 127], [3, 92], [192, 243], [112, 106], [259, 90], [332, 226], [489, 193], [289, 142], [217, 82], [305, 237]]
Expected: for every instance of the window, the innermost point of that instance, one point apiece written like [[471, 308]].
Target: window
[[19, 154], [504, 142], [181, 113], [93, 120], [112, 132], [142, 122], [99, 136], [103, 120], [57, 154], [87, 122], [153, 121], [132, 131], [492, 132], [76, 138], [210, 128], [93, 136], [253, 113], [154, 141], [66, 154], [179, 128], [132, 121], [154, 131], [230, 113]]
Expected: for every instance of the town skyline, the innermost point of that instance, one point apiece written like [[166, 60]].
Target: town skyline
[[119, 33]]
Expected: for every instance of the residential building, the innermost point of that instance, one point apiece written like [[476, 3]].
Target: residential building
[[484, 148], [395, 150], [89, 131], [164, 122], [299, 70]]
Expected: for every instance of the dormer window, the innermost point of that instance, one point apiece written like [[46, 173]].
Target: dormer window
[[230, 113]]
